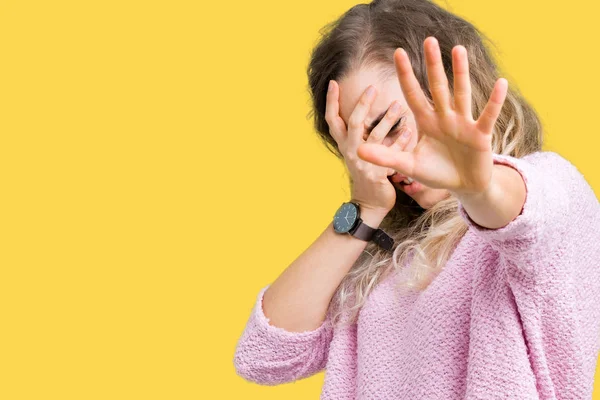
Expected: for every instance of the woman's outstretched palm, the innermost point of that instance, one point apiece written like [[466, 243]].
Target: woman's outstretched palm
[[454, 152]]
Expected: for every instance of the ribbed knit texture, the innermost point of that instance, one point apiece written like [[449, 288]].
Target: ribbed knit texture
[[514, 314]]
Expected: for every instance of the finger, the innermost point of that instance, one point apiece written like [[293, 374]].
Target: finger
[[438, 81], [490, 113], [379, 154], [383, 127], [356, 121], [402, 140], [400, 143], [337, 127], [416, 99], [462, 81]]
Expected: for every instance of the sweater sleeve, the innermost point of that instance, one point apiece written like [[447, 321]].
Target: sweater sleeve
[[549, 180], [269, 355]]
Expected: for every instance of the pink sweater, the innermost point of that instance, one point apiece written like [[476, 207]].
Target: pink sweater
[[514, 314]]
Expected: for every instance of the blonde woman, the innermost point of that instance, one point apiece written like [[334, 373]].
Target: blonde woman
[[467, 262]]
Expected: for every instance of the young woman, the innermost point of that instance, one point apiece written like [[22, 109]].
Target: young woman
[[478, 280]]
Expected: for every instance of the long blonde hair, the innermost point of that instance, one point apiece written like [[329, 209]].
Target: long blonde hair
[[367, 35]]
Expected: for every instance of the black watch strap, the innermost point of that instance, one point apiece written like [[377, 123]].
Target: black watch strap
[[383, 239], [366, 233]]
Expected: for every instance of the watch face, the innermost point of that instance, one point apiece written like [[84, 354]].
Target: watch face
[[345, 217]]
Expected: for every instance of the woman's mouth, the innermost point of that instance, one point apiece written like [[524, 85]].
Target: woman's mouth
[[401, 179], [406, 184]]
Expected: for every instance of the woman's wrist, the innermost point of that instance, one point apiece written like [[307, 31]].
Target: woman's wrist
[[500, 203], [372, 216]]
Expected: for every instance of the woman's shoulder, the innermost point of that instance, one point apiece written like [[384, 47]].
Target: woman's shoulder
[[578, 188], [546, 158], [551, 169], [550, 161]]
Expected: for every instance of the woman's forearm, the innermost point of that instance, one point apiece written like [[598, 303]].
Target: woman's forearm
[[299, 298]]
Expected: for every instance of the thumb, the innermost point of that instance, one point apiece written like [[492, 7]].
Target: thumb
[[401, 161]]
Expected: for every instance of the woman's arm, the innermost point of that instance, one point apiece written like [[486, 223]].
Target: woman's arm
[[299, 298], [288, 335], [555, 194]]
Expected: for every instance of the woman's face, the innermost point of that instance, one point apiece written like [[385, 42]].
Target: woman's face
[[353, 86]]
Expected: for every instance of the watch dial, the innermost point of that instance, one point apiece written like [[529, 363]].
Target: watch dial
[[345, 217]]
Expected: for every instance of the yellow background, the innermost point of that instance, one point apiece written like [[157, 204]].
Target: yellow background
[[158, 169]]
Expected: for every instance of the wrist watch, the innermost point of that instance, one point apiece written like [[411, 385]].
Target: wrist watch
[[347, 220]]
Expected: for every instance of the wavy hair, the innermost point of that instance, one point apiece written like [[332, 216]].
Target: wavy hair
[[367, 35]]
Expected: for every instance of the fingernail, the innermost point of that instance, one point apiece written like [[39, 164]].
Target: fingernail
[[406, 133], [330, 85], [370, 91], [395, 107]]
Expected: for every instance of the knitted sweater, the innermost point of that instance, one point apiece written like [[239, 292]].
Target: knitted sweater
[[514, 313]]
